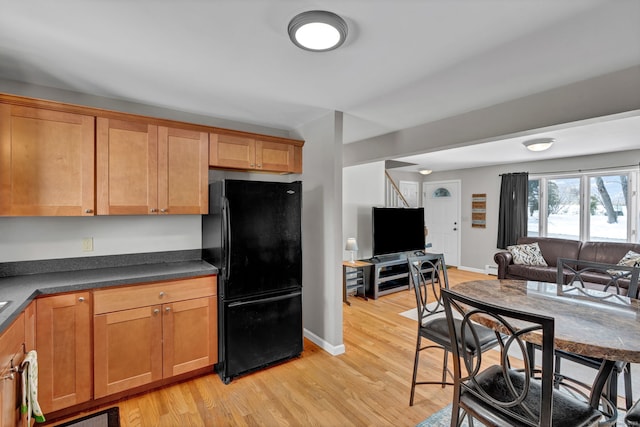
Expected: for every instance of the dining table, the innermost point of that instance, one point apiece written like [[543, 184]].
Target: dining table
[[587, 322]]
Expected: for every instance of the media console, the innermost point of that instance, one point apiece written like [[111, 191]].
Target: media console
[[389, 273]]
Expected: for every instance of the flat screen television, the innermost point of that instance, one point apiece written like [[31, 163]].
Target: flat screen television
[[397, 230]]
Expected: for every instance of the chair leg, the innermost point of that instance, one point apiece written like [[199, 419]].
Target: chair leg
[[628, 391], [415, 369], [557, 373], [444, 368], [612, 386]]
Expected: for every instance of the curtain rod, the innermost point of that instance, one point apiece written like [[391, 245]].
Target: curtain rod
[[637, 165]]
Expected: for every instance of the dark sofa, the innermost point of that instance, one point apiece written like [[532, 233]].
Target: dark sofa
[[553, 248]]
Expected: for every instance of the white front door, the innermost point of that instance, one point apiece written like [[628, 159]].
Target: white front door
[[441, 201]]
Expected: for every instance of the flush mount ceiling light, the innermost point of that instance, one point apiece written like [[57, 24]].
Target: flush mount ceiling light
[[317, 30], [539, 144], [425, 171]]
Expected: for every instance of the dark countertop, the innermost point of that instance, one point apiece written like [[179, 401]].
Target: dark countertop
[[22, 289]]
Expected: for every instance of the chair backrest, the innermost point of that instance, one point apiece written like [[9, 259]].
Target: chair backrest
[[509, 394], [612, 278], [428, 275]]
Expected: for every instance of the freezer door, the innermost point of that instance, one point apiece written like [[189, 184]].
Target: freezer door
[[262, 238], [261, 332]]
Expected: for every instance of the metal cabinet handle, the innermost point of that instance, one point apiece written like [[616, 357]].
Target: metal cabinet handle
[[156, 311], [88, 211], [81, 299], [162, 294], [9, 377], [164, 210], [167, 309], [153, 210]]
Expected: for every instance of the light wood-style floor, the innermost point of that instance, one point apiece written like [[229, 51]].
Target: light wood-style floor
[[368, 385]]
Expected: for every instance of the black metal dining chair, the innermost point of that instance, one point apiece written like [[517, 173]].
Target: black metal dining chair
[[428, 277], [502, 395], [619, 280]]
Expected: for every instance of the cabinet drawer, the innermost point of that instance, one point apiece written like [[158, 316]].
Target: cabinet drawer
[[124, 298]]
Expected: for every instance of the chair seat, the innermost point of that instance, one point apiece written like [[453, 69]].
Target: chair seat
[[437, 330], [567, 411]]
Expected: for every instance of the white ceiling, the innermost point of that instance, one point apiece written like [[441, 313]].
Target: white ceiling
[[405, 62]]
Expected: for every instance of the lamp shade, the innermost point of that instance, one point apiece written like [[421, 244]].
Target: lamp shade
[[352, 244]]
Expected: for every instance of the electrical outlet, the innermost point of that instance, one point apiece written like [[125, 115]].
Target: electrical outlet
[[87, 244]]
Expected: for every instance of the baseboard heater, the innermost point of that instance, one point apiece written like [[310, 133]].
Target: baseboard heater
[[491, 269]]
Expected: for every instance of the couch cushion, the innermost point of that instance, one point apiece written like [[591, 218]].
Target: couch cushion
[[532, 272], [553, 248], [527, 254], [605, 252]]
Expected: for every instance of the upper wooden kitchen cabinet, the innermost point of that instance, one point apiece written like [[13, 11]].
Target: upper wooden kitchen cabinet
[[243, 152], [46, 162], [148, 169], [63, 342]]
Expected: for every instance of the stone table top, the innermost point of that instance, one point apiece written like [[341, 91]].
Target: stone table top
[[587, 322]]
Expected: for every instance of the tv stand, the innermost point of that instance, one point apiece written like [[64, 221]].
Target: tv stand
[[390, 273]]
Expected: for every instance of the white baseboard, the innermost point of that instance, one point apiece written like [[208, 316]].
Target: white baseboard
[[488, 269], [472, 269], [333, 350]]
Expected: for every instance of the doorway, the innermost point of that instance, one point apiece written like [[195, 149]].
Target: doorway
[[441, 202]]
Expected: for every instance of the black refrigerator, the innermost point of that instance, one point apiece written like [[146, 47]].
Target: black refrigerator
[[252, 234]]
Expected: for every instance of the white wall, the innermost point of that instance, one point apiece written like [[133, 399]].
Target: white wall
[[34, 238], [321, 231], [363, 188]]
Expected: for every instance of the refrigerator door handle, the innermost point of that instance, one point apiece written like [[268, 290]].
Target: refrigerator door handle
[[226, 221], [264, 300]]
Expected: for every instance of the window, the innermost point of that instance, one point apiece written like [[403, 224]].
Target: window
[[585, 206]]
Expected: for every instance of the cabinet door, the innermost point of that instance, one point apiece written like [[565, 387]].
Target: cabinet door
[[63, 342], [230, 151], [46, 162], [127, 167], [11, 354], [127, 349], [277, 157], [190, 335], [183, 171]]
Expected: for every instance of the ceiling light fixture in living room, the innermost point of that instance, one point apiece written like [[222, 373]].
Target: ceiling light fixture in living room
[[425, 171], [317, 30], [539, 144]]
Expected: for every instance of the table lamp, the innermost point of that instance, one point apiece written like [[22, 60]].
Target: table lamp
[[352, 246]]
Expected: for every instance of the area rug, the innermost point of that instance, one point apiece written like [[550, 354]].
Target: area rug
[[442, 418], [107, 418]]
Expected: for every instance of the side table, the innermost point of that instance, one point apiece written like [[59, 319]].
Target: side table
[[354, 276]]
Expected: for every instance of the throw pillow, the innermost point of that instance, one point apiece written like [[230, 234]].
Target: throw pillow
[[631, 259], [527, 254]]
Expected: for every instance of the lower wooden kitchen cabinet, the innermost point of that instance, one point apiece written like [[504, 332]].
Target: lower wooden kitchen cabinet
[[11, 355], [63, 342], [146, 333]]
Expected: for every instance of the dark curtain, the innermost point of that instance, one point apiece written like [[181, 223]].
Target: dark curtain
[[512, 219]]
